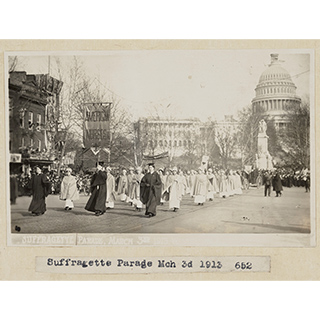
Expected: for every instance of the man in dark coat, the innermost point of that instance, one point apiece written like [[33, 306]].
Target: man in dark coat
[[277, 185], [40, 188], [150, 191], [97, 200], [267, 181]]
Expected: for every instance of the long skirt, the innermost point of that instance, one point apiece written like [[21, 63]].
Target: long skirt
[[110, 204], [174, 203], [199, 199], [210, 195], [38, 205], [97, 200], [151, 205], [137, 203], [69, 204]]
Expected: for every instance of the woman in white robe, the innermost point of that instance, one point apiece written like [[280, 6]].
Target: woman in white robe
[[174, 188], [110, 189], [135, 196], [69, 191], [200, 187]]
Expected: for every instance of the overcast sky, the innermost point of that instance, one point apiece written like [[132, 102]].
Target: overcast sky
[[184, 83]]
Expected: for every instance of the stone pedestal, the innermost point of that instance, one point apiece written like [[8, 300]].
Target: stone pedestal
[[264, 159]]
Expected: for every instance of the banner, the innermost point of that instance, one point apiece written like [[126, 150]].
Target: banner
[[96, 129], [155, 157]]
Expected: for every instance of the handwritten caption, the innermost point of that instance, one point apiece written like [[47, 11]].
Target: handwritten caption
[[93, 265]]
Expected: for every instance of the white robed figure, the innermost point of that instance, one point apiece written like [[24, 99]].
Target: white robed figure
[[223, 187], [183, 183], [175, 190], [69, 191], [111, 185], [192, 179], [123, 185], [135, 196], [200, 187], [230, 181], [237, 183], [212, 185]]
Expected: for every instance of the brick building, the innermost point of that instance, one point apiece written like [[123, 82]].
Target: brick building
[[33, 119]]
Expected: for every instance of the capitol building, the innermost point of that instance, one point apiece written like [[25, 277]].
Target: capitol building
[[274, 92]]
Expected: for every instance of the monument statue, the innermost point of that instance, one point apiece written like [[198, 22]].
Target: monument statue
[[264, 159], [262, 127]]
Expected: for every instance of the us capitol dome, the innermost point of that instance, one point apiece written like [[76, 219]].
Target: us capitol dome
[[274, 92]]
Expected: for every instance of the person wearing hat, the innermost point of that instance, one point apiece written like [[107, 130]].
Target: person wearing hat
[[150, 190], [110, 197], [68, 190], [200, 187], [174, 189], [40, 187], [97, 200]]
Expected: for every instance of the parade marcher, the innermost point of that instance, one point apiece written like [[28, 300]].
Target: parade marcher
[[123, 186], [40, 187], [130, 176], [135, 196], [183, 182], [68, 190], [175, 190], [188, 182], [150, 190], [267, 181], [200, 187], [192, 180], [163, 178], [164, 187], [237, 183], [277, 185], [230, 183], [97, 200], [223, 187], [211, 185], [111, 185]]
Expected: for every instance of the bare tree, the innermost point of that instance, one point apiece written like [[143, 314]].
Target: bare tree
[[15, 63], [227, 141], [295, 138]]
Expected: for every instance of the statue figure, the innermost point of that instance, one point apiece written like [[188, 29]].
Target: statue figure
[[262, 126]]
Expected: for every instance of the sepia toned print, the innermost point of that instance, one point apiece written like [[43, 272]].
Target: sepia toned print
[[202, 148]]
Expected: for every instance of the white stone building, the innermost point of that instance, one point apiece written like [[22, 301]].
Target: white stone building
[[274, 92]]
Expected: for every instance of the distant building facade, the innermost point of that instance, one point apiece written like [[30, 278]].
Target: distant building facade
[[33, 118], [181, 138], [155, 136], [274, 92]]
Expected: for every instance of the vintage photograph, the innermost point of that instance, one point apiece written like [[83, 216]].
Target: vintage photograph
[[201, 147]]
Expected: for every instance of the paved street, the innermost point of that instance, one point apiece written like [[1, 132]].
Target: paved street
[[250, 212]]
